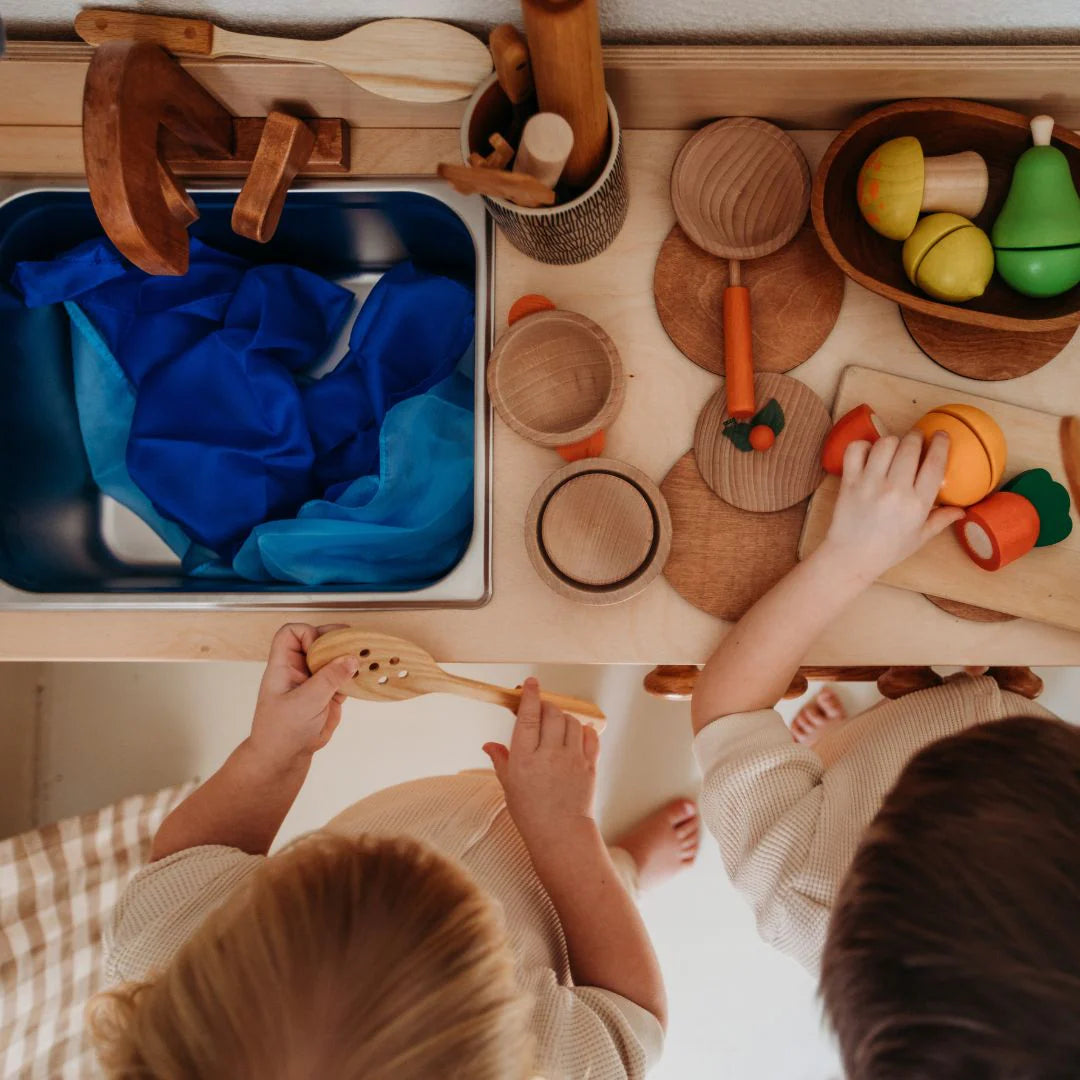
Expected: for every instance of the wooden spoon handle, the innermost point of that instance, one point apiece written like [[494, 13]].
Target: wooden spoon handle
[[1070, 455], [510, 699], [189, 37], [738, 351]]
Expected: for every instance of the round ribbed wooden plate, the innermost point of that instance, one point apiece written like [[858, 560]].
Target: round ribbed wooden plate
[[723, 559], [740, 187], [979, 352], [779, 477], [795, 297]]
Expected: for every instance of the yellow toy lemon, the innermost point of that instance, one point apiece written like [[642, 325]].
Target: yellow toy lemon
[[949, 258]]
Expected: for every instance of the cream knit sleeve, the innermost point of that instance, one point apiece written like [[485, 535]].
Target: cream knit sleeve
[[762, 799]]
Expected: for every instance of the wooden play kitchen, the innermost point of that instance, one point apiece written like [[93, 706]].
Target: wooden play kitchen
[[671, 364]]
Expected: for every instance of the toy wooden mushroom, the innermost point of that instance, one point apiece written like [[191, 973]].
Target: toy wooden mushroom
[[897, 183]]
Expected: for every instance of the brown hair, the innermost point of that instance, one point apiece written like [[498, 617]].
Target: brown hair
[[954, 947], [340, 958]]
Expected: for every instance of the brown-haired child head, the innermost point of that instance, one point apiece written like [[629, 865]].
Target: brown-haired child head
[[346, 958], [954, 947]]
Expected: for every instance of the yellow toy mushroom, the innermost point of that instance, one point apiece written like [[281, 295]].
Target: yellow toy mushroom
[[897, 183]]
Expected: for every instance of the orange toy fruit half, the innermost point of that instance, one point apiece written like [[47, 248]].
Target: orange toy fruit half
[[988, 432], [969, 475]]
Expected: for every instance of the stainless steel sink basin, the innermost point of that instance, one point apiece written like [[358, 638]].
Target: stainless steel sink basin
[[65, 545]]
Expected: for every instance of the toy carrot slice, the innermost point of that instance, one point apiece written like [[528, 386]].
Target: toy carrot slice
[[998, 530], [859, 425]]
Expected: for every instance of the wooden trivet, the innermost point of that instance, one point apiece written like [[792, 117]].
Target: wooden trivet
[[778, 477], [724, 559], [796, 295], [969, 611], [979, 352]]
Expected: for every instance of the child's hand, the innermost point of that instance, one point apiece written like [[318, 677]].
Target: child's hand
[[297, 712], [885, 511], [549, 772]]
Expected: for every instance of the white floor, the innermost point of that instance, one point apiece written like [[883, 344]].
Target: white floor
[[77, 736]]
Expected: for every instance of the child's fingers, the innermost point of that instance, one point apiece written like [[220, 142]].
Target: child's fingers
[[552, 725], [500, 758], [855, 460], [574, 734], [881, 457], [318, 692], [939, 520], [527, 729], [590, 744], [932, 471], [905, 464]]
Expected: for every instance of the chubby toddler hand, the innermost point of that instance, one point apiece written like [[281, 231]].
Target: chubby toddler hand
[[297, 712], [885, 511], [549, 772]]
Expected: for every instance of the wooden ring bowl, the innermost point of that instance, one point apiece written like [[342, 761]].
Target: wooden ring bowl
[[555, 378], [943, 126], [604, 521]]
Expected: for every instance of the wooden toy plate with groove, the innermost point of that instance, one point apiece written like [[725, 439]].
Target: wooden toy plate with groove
[[782, 475], [724, 559], [978, 353], [795, 298], [1043, 584]]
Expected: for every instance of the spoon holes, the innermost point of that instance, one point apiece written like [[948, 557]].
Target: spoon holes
[[383, 679], [365, 652], [373, 667], [394, 660], [402, 673]]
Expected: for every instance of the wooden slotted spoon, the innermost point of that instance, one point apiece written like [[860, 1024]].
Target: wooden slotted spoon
[[393, 669]]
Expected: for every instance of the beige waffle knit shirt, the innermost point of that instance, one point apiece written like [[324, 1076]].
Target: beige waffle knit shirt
[[789, 818], [580, 1031]]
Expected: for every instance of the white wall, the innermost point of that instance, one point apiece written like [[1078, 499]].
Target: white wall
[[628, 20]]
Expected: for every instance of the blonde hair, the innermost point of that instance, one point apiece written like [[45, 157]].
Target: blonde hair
[[341, 958]]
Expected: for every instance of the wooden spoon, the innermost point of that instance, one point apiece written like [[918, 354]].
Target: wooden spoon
[[406, 59], [740, 189], [393, 669]]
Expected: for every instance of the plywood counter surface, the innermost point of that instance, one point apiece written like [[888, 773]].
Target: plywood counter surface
[[525, 621]]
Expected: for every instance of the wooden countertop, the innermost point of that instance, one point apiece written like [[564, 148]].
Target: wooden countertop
[[525, 621]]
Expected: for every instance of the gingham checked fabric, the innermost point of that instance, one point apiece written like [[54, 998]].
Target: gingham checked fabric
[[58, 885]]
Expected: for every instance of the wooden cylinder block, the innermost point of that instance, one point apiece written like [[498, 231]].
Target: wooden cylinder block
[[555, 377], [598, 531]]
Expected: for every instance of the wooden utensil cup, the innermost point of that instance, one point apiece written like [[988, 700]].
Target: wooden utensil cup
[[570, 231]]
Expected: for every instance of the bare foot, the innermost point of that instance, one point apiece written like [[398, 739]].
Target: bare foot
[[817, 716], [664, 842]]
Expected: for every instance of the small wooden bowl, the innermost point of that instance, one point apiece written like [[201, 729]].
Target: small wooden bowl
[[598, 531], [943, 126], [555, 377]]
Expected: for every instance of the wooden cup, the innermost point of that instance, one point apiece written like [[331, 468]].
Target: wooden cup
[[555, 377], [568, 232]]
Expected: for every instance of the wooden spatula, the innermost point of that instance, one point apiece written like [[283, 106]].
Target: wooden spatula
[[1070, 455], [407, 59], [393, 669]]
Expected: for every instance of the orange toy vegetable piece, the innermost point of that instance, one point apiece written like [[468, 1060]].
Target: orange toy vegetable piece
[[529, 304], [762, 437], [738, 353], [998, 530], [859, 425], [968, 475]]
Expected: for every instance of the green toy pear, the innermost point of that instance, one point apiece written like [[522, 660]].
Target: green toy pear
[[1036, 236]]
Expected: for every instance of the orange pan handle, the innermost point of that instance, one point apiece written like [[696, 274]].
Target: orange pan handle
[[738, 352]]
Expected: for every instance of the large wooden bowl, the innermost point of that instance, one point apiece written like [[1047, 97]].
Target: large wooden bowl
[[943, 126]]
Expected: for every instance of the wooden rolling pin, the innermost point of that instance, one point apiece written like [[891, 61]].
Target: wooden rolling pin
[[545, 145], [568, 70]]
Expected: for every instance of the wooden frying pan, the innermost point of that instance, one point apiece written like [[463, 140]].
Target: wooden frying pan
[[740, 189], [393, 669]]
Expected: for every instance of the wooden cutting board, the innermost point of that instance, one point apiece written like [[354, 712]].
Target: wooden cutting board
[[1045, 584]]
